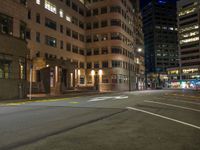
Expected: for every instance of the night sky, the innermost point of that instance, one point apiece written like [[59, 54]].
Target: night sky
[[144, 2]]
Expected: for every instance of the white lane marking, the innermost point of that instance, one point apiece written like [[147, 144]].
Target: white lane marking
[[177, 106], [108, 98], [164, 117], [182, 101]]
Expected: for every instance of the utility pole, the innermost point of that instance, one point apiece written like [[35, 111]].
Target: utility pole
[[30, 87], [129, 72]]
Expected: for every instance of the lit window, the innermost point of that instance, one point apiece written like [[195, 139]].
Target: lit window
[[165, 28], [188, 28], [38, 2], [187, 11], [82, 1], [61, 13], [189, 40], [51, 7], [190, 34], [157, 27], [190, 70], [68, 18], [137, 60]]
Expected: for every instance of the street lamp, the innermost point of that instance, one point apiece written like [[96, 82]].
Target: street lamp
[[139, 50]]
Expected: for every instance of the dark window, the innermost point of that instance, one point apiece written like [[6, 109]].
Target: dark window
[[96, 38], [115, 9], [116, 50], [61, 28], [88, 39], [51, 41], [81, 11], [82, 65], [189, 22], [68, 32], [61, 44], [96, 64], [74, 7], [28, 34], [88, 26], [22, 30], [50, 23], [38, 18], [89, 52], [116, 63], [81, 37], [105, 64], [115, 36], [89, 65], [104, 50], [115, 22], [75, 21], [38, 37], [75, 49], [68, 47], [103, 10], [81, 24], [82, 52], [6, 24], [95, 25], [75, 35], [29, 14], [104, 23], [68, 2], [88, 14], [96, 51], [95, 12], [23, 2]]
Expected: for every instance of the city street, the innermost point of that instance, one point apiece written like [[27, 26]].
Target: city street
[[139, 120]]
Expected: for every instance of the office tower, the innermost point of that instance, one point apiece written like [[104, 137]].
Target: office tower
[[160, 36], [187, 75]]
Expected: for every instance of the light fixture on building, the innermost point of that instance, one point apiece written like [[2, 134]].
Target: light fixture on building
[[47, 65], [100, 72], [139, 50], [92, 72], [79, 72]]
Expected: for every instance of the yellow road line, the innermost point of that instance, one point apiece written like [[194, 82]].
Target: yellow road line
[[34, 101], [74, 102]]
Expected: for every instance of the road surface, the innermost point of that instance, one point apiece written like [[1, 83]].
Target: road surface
[[141, 120]]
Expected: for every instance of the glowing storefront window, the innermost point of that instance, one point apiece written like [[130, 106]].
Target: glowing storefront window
[[191, 70], [51, 7], [189, 40], [173, 72]]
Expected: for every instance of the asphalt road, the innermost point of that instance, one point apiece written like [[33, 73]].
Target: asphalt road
[[142, 120]]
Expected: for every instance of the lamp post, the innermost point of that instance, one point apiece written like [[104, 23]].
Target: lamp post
[[30, 86]]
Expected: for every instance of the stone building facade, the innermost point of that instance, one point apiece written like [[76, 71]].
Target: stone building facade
[[13, 50], [96, 38]]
